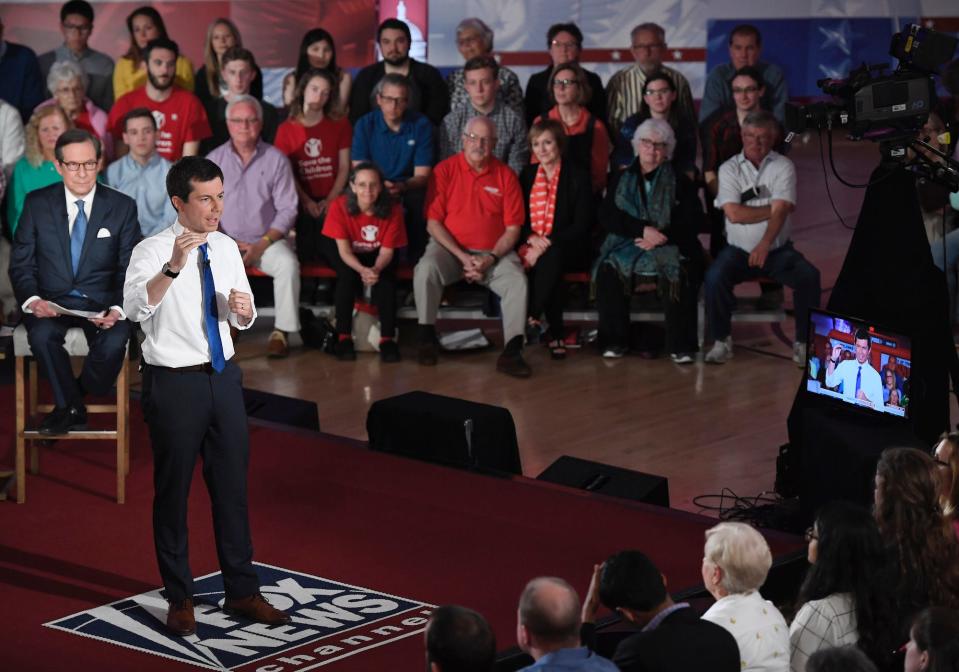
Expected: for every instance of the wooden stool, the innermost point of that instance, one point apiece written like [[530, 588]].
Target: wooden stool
[[76, 345]]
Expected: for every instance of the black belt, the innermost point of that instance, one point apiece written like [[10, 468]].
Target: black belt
[[195, 368]]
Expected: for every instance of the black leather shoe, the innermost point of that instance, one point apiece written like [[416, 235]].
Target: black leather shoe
[[389, 352], [63, 420]]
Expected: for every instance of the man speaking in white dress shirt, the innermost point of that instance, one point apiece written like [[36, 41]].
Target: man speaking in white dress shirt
[[860, 381], [186, 286]]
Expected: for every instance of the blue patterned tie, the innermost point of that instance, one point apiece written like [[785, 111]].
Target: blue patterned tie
[[858, 380], [76, 237], [210, 314]]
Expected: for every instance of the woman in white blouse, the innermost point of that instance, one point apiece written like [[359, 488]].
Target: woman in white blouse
[[735, 564], [844, 597]]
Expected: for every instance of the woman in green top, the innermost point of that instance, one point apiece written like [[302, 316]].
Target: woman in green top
[[35, 169]]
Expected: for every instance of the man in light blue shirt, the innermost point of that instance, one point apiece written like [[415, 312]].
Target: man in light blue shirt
[[860, 381], [141, 174], [548, 629]]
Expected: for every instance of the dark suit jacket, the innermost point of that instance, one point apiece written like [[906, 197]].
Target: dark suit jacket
[[538, 102], [574, 204], [683, 641], [40, 261]]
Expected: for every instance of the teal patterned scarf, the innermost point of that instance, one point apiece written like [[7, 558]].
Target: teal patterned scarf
[[630, 261]]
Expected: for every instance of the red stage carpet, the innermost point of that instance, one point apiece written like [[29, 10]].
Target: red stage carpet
[[321, 507]]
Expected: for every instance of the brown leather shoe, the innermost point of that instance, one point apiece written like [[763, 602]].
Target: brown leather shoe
[[179, 618], [255, 608], [276, 347], [512, 364]]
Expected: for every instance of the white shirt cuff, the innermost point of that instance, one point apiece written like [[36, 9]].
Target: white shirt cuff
[[26, 303]]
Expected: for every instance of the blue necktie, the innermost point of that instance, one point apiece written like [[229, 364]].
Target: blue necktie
[[858, 380], [76, 237], [210, 314]]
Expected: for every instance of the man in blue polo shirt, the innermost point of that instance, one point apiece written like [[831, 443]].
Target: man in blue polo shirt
[[400, 142]]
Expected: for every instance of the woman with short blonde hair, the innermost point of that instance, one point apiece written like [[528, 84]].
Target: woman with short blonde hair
[[736, 560], [35, 168]]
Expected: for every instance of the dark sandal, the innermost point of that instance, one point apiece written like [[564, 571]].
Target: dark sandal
[[557, 349]]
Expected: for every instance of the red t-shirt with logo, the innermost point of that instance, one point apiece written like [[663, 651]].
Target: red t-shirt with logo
[[315, 151], [366, 232], [180, 119], [475, 207]]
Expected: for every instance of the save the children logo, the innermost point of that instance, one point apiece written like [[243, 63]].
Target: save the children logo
[[331, 620], [313, 147]]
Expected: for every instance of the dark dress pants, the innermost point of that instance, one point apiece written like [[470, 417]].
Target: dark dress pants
[[190, 414], [546, 287], [414, 204], [613, 304], [784, 265], [349, 285], [100, 367]]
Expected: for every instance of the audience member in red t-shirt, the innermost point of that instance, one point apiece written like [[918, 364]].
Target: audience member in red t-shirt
[[362, 230], [181, 120], [319, 148], [474, 211]]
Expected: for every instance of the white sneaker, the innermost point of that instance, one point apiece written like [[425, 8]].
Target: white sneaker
[[721, 352], [614, 352], [799, 354]]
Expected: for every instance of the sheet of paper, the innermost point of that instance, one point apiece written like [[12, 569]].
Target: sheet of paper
[[74, 313]]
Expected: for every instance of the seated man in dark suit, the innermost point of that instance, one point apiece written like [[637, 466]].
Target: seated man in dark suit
[[71, 252], [672, 638]]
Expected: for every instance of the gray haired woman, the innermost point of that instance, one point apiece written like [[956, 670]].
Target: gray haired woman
[[652, 216], [68, 84], [475, 38]]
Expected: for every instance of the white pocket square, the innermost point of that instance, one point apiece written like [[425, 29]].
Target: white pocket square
[[103, 233]]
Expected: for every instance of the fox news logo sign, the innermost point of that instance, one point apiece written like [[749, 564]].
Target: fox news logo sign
[[331, 620]]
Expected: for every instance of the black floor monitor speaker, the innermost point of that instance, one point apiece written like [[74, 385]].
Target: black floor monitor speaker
[[445, 430], [283, 410], [607, 480]]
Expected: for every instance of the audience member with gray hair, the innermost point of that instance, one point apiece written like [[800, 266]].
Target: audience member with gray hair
[[76, 25], [547, 628], [735, 564], [261, 210], [652, 214], [238, 70], [475, 38], [757, 193], [67, 83]]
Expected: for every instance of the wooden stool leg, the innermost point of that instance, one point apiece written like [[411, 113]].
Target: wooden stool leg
[[21, 476], [123, 438], [33, 381]]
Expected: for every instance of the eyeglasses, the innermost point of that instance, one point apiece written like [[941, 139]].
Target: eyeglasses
[[74, 166], [69, 89], [391, 100], [745, 89], [564, 83], [649, 47], [657, 92], [655, 146], [78, 28], [810, 535], [245, 121], [564, 45], [470, 39], [483, 142]]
